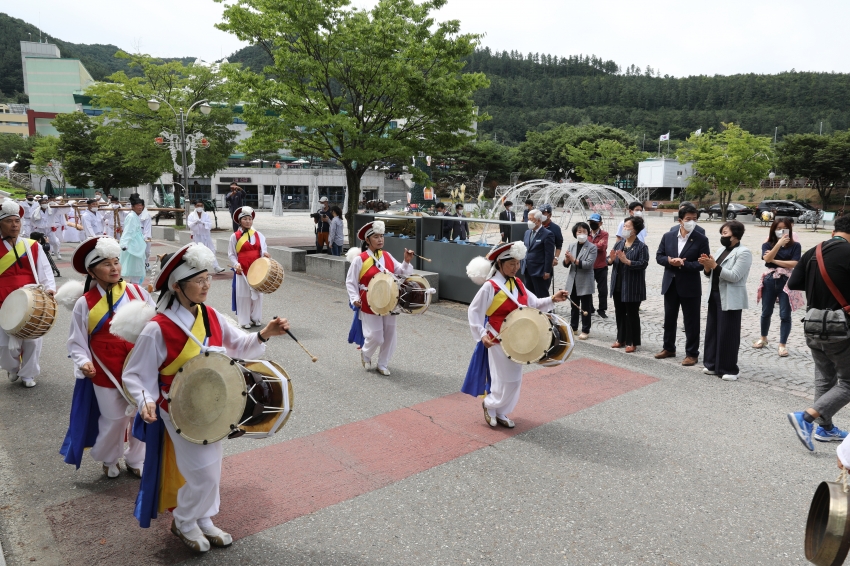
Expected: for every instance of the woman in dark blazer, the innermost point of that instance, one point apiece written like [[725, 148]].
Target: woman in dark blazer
[[629, 259]]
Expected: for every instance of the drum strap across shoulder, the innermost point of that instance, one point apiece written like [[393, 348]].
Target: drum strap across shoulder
[[511, 296]]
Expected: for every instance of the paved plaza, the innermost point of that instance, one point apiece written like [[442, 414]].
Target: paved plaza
[[616, 459]]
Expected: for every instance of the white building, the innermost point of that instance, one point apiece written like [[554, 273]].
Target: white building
[[664, 173]]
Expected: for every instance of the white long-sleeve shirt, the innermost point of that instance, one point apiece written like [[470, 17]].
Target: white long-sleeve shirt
[[78, 338], [141, 375], [199, 224], [484, 298], [145, 220], [352, 278], [92, 223], [44, 273]]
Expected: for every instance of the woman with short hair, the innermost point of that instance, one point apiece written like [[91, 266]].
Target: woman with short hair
[[780, 254], [579, 259], [337, 231], [728, 270], [629, 259]]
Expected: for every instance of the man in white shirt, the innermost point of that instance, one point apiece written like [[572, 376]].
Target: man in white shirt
[[635, 209], [29, 205], [92, 220], [200, 224]]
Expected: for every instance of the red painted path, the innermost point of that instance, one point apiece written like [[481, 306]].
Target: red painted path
[[269, 486]]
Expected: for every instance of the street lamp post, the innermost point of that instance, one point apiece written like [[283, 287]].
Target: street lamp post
[[181, 141]]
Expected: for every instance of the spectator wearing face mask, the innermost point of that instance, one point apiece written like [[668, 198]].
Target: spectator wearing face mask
[[780, 254], [679, 254], [537, 266], [508, 215], [553, 227], [445, 226], [460, 228], [599, 238], [628, 260], [200, 224], [337, 234], [529, 206], [698, 228], [636, 211], [30, 205], [580, 258]]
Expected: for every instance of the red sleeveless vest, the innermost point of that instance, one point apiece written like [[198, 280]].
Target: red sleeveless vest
[[110, 349], [370, 273], [19, 273], [498, 317], [249, 253], [175, 340]]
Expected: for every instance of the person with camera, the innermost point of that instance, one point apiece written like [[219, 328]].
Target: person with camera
[[234, 200], [824, 274], [322, 220]]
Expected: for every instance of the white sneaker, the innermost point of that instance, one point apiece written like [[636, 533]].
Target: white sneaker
[[58, 255], [216, 536], [246, 326], [383, 371], [13, 376], [194, 539], [112, 471], [28, 382], [219, 269], [730, 377], [707, 371]]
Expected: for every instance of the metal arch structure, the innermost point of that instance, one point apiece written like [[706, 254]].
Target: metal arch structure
[[569, 200]]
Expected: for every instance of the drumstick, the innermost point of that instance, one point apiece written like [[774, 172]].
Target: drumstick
[[420, 257], [312, 357], [577, 306]]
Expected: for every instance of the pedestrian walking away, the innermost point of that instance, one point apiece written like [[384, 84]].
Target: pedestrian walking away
[[831, 352]]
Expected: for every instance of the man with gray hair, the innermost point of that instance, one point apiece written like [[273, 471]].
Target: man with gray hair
[[537, 268]]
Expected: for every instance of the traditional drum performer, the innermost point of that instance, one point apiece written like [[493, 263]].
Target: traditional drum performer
[[99, 410], [500, 294], [378, 331], [22, 263], [200, 224], [246, 246], [182, 328]]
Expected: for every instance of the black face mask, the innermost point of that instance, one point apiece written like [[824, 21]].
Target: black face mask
[[594, 225], [725, 241]]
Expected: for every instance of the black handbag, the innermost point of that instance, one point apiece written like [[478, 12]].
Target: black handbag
[[827, 325]]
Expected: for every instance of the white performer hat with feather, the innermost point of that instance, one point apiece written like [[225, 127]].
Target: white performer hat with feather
[[480, 269]]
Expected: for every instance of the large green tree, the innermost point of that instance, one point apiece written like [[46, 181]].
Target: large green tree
[[728, 159], [12, 145], [547, 150], [825, 160], [603, 160], [130, 127], [47, 163], [89, 159], [355, 85]]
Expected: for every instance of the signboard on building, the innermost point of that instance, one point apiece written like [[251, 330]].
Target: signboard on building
[[235, 179]]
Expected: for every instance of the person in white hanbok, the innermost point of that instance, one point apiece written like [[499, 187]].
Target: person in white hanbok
[[200, 224], [500, 294], [29, 205], [246, 246], [92, 220], [378, 331], [22, 262], [184, 282], [73, 235]]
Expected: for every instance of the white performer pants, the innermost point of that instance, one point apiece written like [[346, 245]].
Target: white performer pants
[[379, 332], [506, 382], [200, 466], [147, 253], [112, 426], [20, 356], [26, 228], [55, 242], [248, 309]]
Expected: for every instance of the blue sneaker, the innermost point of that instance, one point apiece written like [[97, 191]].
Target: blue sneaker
[[803, 428], [834, 435]]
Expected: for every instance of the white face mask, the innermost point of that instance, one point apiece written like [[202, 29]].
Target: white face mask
[[638, 213], [781, 233], [531, 225], [582, 238], [689, 225], [627, 234], [199, 210], [93, 209], [44, 206]]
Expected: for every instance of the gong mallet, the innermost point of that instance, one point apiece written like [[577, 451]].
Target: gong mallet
[[423, 258], [584, 313], [291, 335]]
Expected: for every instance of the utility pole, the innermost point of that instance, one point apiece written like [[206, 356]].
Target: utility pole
[[775, 131], [821, 128]]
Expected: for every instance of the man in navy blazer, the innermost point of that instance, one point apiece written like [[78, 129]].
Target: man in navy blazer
[[675, 227], [537, 269], [681, 286]]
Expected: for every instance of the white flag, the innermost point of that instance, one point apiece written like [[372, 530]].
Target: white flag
[[664, 137], [698, 132]]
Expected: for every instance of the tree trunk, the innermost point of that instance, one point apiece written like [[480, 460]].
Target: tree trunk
[[352, 179]]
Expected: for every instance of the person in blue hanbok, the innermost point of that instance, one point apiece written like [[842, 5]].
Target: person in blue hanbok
[[134, 249]]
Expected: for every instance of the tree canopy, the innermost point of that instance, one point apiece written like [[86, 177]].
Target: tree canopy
[[825, 160], [354, 85]]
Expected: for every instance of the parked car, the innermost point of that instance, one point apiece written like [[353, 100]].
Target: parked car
[[733, 209], [786, 208]]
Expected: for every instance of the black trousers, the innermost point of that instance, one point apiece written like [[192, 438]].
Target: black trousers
[[538, 285], [690, 314], [628, 321], [586, 302], [601, 276], [722, 338]]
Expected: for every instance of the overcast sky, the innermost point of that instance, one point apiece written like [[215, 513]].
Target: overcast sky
[[682, 38]]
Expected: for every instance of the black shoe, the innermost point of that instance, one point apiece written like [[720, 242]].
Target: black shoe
[[602, 314]]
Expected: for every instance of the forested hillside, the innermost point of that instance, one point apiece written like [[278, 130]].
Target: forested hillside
[[98, 59], [535, 92]]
